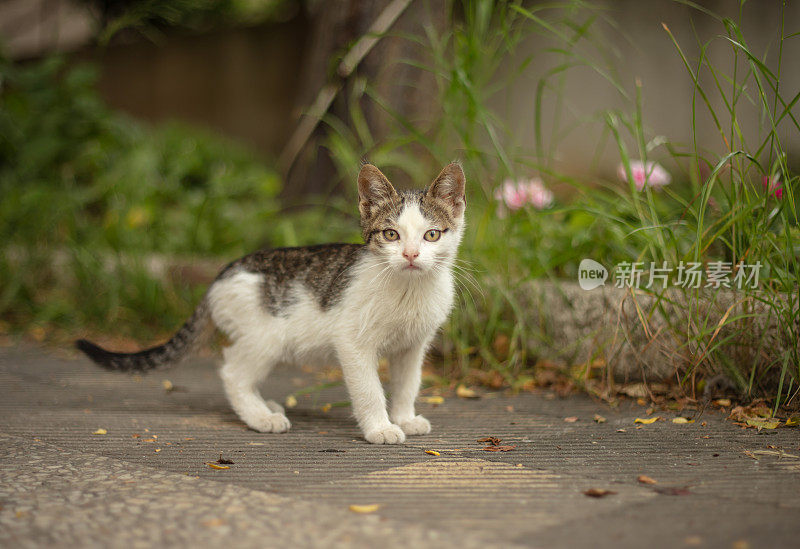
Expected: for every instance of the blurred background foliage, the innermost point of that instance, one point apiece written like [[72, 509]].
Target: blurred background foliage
[[93, 200]]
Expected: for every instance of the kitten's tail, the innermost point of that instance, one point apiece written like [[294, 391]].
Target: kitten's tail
[[169, 353]]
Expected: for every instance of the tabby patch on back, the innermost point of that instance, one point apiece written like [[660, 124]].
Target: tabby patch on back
[[345, 303]]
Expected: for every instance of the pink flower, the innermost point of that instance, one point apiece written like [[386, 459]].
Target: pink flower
[[773, 186], [539, 196], [517, 194], [650, 174]]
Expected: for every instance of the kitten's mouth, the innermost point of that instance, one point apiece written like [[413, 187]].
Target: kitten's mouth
[[411, 267]]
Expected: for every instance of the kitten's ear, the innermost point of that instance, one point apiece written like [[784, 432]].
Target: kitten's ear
[[373, 188], [449, 186]]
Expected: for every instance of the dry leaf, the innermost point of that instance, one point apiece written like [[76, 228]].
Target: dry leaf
[[215, 466], [491, 440], [465, 392], [433, 399], [723, 402], [634, 390], [499, 448], [571, 419], [326, 407], [621, 431], [771, 423], [432, 452], [792, 421], [682, 420], [599, 419], [598, 493], [158, 450], [214, 522], [363, 509], [779, 453], [647, 421], [644, 479], [167, 385], [100, 431], [291, 401]]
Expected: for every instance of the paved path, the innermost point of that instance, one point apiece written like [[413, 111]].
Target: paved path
[[146, 481]]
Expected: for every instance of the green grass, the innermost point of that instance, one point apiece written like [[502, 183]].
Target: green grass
[[715, 210]]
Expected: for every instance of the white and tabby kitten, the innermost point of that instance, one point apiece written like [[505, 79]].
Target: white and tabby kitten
[[345, 303]]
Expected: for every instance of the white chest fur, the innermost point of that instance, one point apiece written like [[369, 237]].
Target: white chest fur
[[395, 311]]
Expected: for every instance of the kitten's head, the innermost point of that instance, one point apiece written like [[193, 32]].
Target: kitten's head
[[413, 231]]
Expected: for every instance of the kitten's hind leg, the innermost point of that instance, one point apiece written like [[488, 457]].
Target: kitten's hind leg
[[245, 366]]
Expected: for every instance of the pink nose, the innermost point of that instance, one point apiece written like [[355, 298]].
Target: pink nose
[[411, 256]]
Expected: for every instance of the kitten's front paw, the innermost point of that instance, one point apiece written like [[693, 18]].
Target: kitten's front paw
[[269, 423], [387, 435], [416, 426]]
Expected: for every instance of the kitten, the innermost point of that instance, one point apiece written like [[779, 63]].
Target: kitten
[[348, 303]]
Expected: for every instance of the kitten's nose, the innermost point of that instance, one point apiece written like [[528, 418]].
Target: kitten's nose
[[411, 255]]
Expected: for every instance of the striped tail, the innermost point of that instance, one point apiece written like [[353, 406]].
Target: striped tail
[[169, 353]]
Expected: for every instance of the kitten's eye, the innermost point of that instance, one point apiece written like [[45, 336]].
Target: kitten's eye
[[433, 235], [390, 235]]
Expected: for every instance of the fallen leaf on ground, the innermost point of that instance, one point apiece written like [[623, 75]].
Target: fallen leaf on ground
[[672, 491], [291, 401], [363, 509], [433, 400], [100, 431], [465, 392], [621, 431], [599, 419], [723, 402], [432, 452], [644, 479], [211, 523], [326, 407], [215, 466], [491, 440], [571, 419], [756, 410], [682, 420], [792, 421], [158, 450], [634, 390], [771, 423], [598, 493], [499, 448], [779, 453], [647, 421], [167, 385]]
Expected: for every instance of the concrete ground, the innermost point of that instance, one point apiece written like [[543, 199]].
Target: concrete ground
[[146, 482]]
